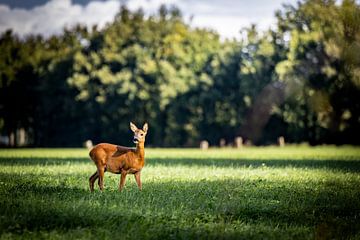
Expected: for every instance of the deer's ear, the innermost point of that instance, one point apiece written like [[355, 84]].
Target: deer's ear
[[133, 127], [145, 127]]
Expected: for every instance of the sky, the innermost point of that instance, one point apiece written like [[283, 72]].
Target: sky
[[47, 17]]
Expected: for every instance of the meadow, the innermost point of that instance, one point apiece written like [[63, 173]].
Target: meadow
[[296, 192]]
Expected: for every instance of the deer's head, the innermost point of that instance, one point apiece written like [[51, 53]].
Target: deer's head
[[139, 134]]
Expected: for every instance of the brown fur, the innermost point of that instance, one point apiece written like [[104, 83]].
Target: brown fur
[[119, 159]]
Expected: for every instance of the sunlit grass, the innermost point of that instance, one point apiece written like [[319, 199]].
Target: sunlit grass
[[292, 192]]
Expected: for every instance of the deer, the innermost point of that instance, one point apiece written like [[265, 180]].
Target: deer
[[119, 160]]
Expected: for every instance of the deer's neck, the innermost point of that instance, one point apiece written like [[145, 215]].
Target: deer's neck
[[140, 150]]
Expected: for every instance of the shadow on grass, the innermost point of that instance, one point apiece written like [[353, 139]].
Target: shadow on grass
[[332, 164], [4, 161], [180, 209], [346, 165]]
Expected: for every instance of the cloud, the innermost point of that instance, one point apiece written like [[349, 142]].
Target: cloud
[[53, 16], [225, 16], [150, 6]]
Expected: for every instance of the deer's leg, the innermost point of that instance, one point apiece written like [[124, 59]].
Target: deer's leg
[[92, 179], [138, 180], [101, 171], [122, 180]]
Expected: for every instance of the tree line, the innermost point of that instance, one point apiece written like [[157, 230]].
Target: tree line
[[300, 81]]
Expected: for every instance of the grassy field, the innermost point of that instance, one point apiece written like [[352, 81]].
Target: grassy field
[[253, 193]]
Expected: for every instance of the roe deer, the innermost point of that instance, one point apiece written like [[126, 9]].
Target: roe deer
[[119, 159]]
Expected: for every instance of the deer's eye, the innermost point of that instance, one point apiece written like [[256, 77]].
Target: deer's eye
[[141, 134]]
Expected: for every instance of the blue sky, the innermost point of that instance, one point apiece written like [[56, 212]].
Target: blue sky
[[48, 17]]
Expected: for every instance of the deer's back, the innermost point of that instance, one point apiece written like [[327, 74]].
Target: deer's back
[[112, 156], [101, 151]]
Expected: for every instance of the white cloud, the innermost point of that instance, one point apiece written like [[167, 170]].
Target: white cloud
[[149, 6], [53, 16], [225, 16]]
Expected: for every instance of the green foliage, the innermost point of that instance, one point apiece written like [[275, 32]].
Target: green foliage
[[320, 69], [300, 81], [135, 77], [288, 193]]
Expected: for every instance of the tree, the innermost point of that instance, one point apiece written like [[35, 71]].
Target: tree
[[321, 70]]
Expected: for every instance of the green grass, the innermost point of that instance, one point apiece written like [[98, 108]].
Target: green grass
[[253, 193]]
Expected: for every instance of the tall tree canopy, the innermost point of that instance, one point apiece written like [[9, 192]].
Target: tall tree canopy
[[300, 81]]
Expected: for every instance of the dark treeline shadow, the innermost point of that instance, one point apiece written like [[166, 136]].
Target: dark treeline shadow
[[346, 165], [332, 164], [5, 161]]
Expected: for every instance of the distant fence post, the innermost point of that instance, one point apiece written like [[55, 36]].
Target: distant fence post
[[21, 137], [281, 141], [238, 142], [88, 144], [204, 145], [222, 142]]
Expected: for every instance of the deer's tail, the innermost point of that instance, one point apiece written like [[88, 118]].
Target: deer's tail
[[91, 154]]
